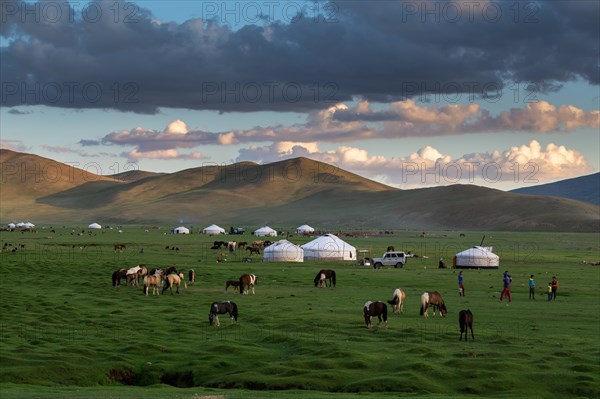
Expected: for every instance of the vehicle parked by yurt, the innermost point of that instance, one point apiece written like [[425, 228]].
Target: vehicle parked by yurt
[[328, 247], [213, 230], [283, 251], [476, 258], [265, 231]]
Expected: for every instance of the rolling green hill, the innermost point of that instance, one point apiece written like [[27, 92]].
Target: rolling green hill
[[284, 193], [583, 188]]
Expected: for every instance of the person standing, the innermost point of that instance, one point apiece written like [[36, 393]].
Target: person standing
[[554, 284], [549, 291], [461, 284], [531, 287], [507, 280]]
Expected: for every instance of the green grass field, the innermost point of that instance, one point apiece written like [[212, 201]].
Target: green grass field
[[66, 333]]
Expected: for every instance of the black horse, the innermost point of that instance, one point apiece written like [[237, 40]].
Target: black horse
[[217, 308], [378, 309], [329, 274], [465, 321]]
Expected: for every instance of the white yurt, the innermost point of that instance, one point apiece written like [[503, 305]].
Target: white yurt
[[476, 258], [328, 247], [283, 251], [29, 225], [213, 229], [11, 226], [305, 229], [180, 230], [265, 232], [20, 225], [94, 226]]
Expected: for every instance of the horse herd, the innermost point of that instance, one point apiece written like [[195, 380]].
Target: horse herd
[[170, 277]]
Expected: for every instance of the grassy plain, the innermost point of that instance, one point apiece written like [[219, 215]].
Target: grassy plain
[[65, 332]]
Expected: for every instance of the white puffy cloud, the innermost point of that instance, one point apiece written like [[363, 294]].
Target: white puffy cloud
[[162, 154]]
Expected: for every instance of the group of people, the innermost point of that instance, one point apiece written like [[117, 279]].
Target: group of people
[[507, 281]]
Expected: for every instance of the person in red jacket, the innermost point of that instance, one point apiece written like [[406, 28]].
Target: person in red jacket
[[554, 287]]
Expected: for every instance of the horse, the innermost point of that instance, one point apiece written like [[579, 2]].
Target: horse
[[378, 309], [434, 299], [173, 279], [465, 322], [217, 308], [218, 244], [253, 250], [134, 273], [231, 245], [171, 269], [120, 247], [192, 276], [247, 281], [390, 248], [242, 244], [117, 276], [397, 301], [329, 274], [322, 280], [153, 281], [231, 283]]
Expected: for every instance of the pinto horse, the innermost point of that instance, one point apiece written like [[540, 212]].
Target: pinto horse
[[322, 280], [247, 281], [397, 301], [465, 322], [231, 283], [217, 308], [378, 309], [434, 299], [173, 279], [117, 276], [329, 274]]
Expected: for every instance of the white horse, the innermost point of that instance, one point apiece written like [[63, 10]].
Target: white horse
[[397, 301]]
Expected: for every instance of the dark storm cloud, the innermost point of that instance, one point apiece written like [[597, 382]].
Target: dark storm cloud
[[379, 51]]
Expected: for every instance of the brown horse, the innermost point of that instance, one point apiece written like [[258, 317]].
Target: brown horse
[[120, 247], [117, 276], [217, 308], [231, 283], [397, 301], [329, 274], [434, 299], [465, 322], [174, 279], [378, 309], [253, 250], [192, 276], [247, 281], [154, 282]]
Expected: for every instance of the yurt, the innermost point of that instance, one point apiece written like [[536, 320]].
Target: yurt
[[213, 230], [94, 226], [476, 258], [283, 251], [20, 225], [29, 225], [11, 226], [328, 247], [265, 232], [180, 230], [305, 229]]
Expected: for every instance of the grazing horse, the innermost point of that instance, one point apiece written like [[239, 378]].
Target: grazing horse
[[397, 301], [322, 280], [253, 250], [117, 276], [242, 244], [378, 309], [465, 322], [247, 281], [192, 276], [217, 308], [153, 281], [231, 245], [434, 299], [329, 274], [171, 269], [174, 279], [120, 247], [134, 273], [231, 283]]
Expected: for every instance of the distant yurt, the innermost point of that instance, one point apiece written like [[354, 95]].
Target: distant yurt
[[94, 226], [476, 258], [213, 230], [328, 247], [180, 230], [305, 229], [265, 232], [29, 225], [20, 225], [11, 226], [283, 251]]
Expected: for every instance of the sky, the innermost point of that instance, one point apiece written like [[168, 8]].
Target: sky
[[503, 94]]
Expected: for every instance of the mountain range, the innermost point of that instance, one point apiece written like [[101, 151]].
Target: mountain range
[[583, 188], [286, 193]]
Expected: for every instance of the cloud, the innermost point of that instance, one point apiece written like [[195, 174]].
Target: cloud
[[526, 164], [68, 150], [15, 111], [395, 51], [134, 155], [14, 145], [341, 124]]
